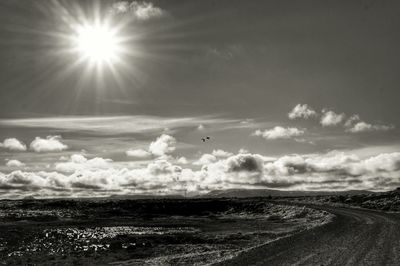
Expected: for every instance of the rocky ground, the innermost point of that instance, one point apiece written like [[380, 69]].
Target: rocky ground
[[146, 232], [383, 201]]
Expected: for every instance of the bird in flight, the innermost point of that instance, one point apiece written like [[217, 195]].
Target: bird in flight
[[205, 139]]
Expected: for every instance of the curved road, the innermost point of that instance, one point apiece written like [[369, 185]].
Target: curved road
[[355, 237]]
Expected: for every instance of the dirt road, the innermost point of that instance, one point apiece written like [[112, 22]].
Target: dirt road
[[355, 237]]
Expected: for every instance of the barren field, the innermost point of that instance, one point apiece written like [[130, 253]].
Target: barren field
[[145, 232]]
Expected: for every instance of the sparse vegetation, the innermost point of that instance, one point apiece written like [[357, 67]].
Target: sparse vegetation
[[384, 201], [157, 231]]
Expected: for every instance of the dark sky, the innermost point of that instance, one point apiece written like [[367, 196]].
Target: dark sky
[[233, 67], [209, 57]]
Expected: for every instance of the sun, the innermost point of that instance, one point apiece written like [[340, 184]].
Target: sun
[[97, 43]]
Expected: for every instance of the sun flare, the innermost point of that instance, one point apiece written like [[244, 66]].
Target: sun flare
[[97, 43]]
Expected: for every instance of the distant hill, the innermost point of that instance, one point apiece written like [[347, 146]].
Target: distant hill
[[145, 196], [248, 193], [28, 198]]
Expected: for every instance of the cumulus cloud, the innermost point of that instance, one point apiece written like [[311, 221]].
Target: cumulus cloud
[[363, 127], [279, 133], [182, 160], [334, 170], [221, 153], [24, 181], [330, 118], [355, 125], [80, 162], [163, 167], [242, 150], [302, 111], [206, 159], [14, 163], [13, 144], [200, 127], [163, 145], [140, 10], [139, 154], [245, 162], [49, 144], [352, 120], [336, 164]]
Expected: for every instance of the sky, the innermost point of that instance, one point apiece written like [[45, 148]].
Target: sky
[[102, 98]]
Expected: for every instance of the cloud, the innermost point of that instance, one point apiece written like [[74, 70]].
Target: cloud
[[14, 163], [245, 162], [118, 124], [206, 159], [49, 144], [351, 120], [182, 160], [140, 10], [87, 177], [330, 118], [200, 127], [79, 162], [363, 127], [165, 144], [242, 150], [221, 153], [355, 125], [120, 7], [308, 172], [24, 181], [163, 167], [302, 111], [161, 147], [385, 162], [279, 133], [13, 144], [224, 53], [335, 164], [139, 154]]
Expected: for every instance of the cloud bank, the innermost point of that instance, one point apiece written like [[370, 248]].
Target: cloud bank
[[80, 176], [110, 125]]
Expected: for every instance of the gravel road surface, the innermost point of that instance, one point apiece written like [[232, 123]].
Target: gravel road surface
[[355, 237]]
